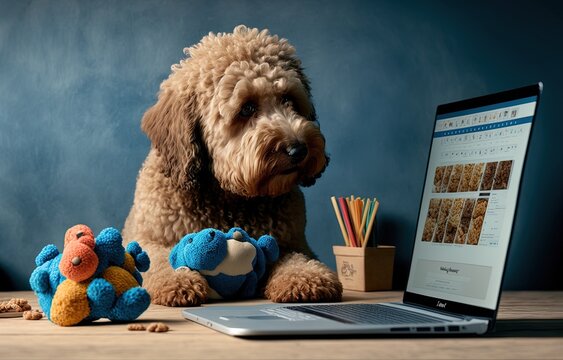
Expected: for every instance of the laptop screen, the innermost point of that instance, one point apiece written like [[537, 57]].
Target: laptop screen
[[469, 198]]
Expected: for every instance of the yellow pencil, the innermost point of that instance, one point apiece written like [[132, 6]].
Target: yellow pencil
[[340, 222]]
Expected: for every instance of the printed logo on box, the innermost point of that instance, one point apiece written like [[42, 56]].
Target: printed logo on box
[[347, 269]]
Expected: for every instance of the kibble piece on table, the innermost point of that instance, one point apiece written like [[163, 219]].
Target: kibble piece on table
[[32, 315], [157, 327], [136, 327], [14, 305]]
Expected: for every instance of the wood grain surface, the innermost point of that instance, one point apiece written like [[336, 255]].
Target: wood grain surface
[[530, 326]]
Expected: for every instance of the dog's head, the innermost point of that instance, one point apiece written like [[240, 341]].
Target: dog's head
[[238, 107]]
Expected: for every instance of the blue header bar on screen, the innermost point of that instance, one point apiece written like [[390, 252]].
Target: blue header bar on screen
[[477, 128], [487, 108]]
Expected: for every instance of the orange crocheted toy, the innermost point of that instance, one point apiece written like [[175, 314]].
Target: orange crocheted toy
[[79, 261]]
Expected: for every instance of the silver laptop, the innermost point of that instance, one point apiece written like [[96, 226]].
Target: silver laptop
[[462, 239]]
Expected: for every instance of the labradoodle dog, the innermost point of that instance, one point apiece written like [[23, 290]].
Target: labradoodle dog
[[234, 134]]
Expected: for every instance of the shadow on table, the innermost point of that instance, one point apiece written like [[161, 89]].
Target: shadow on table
[[528, 328], [548, 328], [6, 283]]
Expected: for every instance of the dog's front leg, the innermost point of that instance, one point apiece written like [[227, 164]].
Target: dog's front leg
[[171, 287], [296, 278]]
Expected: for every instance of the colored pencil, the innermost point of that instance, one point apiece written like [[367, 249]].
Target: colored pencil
[[339, 218], [356, 218], [345, 212], [364, 218], [371, 222]]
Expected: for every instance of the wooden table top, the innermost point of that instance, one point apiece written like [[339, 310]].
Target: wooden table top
[[530, 326]]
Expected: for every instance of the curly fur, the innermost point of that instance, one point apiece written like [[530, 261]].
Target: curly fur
[[211, 165]]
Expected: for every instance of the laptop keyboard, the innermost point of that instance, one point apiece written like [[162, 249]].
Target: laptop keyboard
[[366, 314]]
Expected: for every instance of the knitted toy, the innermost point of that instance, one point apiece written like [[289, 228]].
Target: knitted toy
[[91, 279], [233, 263]]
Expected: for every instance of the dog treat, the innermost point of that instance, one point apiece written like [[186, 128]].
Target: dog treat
[[466, 177], [14, 305], [438, 175], [488, 176], [157, 327], [477, 221], [442, 220], [455, 178], [475, 231], [476, 176], [502, 175], [480, 207], [468, 208], [433, 210], [453, 220], [463, 227], [32, 315], [136, 327], [429, 227], [446, 179]]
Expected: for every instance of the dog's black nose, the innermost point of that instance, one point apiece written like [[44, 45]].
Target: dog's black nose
[[297, 152]]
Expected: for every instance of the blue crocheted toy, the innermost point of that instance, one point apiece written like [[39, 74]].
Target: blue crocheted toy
[[91, 279], [233, 263]]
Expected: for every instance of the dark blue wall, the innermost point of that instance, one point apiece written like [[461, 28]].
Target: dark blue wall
[[76, 77]]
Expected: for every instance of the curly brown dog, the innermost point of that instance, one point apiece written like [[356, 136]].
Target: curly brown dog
[[234, 134]]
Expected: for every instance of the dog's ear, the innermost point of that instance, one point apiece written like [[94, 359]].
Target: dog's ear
[[310, 181], [172, 125], [295, 65]]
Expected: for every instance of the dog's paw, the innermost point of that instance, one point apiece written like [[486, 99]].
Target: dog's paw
[[298, 279], [181, 288]]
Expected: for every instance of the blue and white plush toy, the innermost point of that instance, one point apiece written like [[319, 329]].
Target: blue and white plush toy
[[233, 263]]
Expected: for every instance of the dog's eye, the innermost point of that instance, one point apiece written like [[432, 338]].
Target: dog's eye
[[287, 100], [248, 109]]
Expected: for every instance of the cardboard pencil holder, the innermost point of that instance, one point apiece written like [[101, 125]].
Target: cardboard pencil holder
[[365, 269]]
